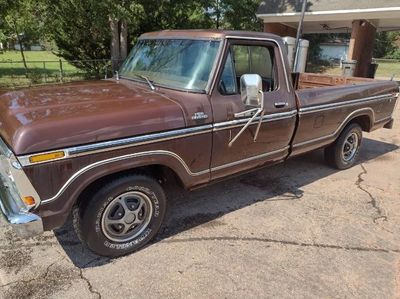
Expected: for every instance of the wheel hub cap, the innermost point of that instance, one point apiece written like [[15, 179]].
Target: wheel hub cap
[[350, 147], [126, 216]]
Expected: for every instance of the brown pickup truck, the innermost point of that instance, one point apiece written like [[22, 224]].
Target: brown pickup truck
[[187, 106]]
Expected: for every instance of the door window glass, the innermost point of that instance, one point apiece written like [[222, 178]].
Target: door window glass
[[227, 82], [255, 60]]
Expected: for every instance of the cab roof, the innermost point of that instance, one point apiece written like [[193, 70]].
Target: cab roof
[[206, 34]]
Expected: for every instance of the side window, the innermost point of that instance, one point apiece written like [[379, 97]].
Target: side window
[[255, 60], [227, 82]]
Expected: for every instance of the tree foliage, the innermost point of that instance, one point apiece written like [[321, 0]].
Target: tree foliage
[[20, 22], [385, 44], [81, 29]]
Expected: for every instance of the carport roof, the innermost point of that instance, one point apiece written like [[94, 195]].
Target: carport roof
[[290, 6], [324, 16]]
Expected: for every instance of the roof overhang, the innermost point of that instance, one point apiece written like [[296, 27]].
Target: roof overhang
[[384, 19]]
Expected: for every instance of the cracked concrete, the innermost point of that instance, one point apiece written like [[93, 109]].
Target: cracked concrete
[[299, 229], [373, 202]]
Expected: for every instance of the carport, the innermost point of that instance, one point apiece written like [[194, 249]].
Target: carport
[[361, 18]]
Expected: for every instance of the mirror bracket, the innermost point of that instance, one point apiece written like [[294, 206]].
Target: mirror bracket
[[257, 112]]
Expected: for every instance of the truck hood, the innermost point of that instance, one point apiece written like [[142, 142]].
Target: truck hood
[[52, 117]]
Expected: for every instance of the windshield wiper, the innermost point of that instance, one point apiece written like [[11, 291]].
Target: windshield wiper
[[147, 80]]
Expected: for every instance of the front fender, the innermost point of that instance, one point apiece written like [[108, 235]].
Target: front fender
[[56, 209]]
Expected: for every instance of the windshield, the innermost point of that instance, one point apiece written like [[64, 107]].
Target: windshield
[[176, 63]]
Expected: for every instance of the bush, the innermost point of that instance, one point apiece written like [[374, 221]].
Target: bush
[[394, 55], [35, 76]]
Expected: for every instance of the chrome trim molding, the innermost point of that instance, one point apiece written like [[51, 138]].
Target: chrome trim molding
[[317, 108], [119, 158], [266, 118], [377, 122], [288, 86], [105, 146], [332, 135], [223, 166], [156, 152], [121, 143]]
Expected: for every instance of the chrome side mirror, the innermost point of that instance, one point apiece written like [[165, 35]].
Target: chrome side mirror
[[251, 90], [253, 97]]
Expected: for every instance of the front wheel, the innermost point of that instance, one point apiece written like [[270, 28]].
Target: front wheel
[[121, 216], [343, 153]]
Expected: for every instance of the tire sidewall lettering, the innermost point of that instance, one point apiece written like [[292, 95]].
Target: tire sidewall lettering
[[144, 235]]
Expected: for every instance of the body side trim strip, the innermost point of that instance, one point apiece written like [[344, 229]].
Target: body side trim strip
[[122, 143], [223, 166], [156, 152], [151, 138], [186, 132], [338, 129], [318, 108], [266, 118], [119, 158]]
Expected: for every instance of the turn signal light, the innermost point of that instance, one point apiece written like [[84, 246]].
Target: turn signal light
[[29, 200], [46, 157]]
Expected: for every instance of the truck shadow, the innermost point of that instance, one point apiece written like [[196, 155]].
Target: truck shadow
[[204, 206]]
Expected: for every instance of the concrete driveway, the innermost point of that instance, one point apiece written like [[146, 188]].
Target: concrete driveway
[[299, 229]]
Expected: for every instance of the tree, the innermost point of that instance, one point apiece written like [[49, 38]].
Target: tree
[[385, 43], [241, 15], [87, 30], [81, 32], [122, 14], [20, 21]]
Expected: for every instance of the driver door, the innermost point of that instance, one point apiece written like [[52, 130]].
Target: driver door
[[278, 122]]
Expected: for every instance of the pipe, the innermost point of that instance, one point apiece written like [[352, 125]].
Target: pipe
[[298, 35]]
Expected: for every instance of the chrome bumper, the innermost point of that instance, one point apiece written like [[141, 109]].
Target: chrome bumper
[[13, 185]]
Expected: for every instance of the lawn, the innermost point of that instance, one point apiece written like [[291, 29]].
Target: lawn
[[34, 60], [44, 67], [386, 70]]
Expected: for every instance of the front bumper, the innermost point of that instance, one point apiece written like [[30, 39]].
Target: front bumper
[[13, 186]]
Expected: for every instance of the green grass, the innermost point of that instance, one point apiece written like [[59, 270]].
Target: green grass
[[44, 67], [385, 70]]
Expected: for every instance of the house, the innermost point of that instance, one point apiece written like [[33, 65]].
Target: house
[[334, 50], [363, 18]]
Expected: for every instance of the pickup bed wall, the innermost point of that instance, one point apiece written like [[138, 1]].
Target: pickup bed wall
[[327, 107], [308, 80]]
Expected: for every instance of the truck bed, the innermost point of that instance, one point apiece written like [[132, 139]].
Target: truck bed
[[326, 104]]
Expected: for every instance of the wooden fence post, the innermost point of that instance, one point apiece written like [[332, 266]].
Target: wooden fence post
[[61, 70], [44, 69]]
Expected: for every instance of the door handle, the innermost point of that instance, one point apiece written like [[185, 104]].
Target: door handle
[[281, 104]]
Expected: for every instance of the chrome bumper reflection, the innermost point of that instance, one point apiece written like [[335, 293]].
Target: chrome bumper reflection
[[13, 185], [24, 223]]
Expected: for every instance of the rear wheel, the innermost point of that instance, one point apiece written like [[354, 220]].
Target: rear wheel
[[121, 216], [343, 153]]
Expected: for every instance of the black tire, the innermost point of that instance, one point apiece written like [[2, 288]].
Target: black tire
[[92, 216], [335, 154]]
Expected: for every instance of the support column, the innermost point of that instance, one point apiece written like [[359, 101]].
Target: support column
[[361, 46], [279, 29]]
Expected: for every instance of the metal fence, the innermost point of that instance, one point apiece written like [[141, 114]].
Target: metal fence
[[14, 73]]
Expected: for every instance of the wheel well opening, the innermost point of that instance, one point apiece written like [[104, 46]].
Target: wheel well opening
[[161, 173], [364, 121]]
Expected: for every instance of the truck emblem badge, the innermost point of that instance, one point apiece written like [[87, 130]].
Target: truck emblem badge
[[199, 115]]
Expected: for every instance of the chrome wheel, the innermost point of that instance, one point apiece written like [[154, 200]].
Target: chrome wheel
[[127, 216], [350, 147]]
